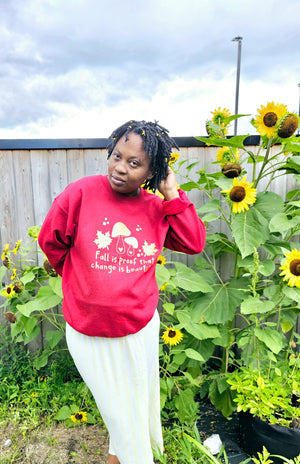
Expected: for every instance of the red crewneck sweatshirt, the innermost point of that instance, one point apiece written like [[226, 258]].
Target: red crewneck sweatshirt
[[105, 246]]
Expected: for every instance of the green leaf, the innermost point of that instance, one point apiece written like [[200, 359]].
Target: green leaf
[[27, 277], [288, 320], [250, 230], [162, 275], [270, 337], [292, 292], [188, 186], [63, 414], [169, 307], [190, 280], [220, 306], [281, 223], [266, 267], [42, 360], [74, 408], [268, 204], [211, 205], [44, 300], [236, 141], [221, 400], [275, 245], [294, 147], [210, 217], [199, 330], [254, 305], [193, 354], [33, 334], [186, 406], [56, 285], [29, 324], [54, 337]]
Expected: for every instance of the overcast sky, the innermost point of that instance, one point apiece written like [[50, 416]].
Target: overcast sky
[[80, 68]]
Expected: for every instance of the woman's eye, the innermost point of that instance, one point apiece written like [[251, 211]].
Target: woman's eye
[[134, 164]]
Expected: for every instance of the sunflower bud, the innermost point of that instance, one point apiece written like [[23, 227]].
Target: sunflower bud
[[232, 170], [6, 262], [17, 287], [49, 269], [11, 317], [287, 125]]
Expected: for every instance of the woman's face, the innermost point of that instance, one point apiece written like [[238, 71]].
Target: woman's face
[[129, 165]]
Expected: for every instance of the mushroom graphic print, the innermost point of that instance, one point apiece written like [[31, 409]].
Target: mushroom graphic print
[[120, 231], [119, 251], [133, 244]]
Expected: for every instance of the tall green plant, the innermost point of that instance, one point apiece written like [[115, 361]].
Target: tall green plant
[[32, 297], [251, 263]]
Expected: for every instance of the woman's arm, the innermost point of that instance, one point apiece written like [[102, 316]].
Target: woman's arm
[[56, 236], [186, 232]]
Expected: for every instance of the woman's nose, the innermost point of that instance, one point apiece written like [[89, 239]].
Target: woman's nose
[[121, 167]]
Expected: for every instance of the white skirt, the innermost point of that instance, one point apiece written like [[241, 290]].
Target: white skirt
[[123, 376]]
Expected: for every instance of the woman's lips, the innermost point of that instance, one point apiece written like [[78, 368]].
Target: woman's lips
[[117, 181]]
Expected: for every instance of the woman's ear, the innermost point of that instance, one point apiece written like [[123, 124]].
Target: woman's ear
[[151, 174]]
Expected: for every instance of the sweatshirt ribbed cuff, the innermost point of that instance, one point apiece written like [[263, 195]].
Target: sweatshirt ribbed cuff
[[177, 205]]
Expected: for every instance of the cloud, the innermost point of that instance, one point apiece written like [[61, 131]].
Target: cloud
[[81, 62]]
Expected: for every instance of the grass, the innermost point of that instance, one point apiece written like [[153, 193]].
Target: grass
[[32, 401]]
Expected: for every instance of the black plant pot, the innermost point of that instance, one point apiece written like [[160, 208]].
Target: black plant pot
[[255, 433]]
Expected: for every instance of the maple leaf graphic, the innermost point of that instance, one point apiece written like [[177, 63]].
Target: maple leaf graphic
[[149, 249], [103, 240]]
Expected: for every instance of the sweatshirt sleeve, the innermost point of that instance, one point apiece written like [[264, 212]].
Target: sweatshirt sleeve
[[57, 233], [186, 232]]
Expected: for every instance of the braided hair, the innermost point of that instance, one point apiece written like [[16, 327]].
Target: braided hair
[[157, 144]]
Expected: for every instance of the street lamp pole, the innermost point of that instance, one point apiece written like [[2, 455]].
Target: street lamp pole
[[237, 39]]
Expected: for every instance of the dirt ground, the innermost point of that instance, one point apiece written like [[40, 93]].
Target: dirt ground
[[85, 444]]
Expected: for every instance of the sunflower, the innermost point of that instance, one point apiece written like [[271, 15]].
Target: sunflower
[[14, 274], [3, 256], [17, 246], [9, 292], [163, 287], [231, 170], [11, 317], [161, 260], [219, 116], [291, 268], [267, 118], [227, 155], [79, 417], [287, 125], [172, 336], [173, 157], [241, 194]]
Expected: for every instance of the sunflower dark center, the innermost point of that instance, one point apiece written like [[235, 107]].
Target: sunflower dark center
[[171, 334], [237, 194], [295, 267], [270, 119], [78, 416]]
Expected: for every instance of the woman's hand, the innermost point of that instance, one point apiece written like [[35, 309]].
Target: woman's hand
[[167, 187]]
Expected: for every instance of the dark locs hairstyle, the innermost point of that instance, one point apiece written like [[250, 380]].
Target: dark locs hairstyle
[[157, 144]]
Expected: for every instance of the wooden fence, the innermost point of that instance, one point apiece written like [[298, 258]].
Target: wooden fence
[[34, 172]]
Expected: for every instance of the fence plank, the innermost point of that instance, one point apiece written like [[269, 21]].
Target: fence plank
[[32, 178]]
